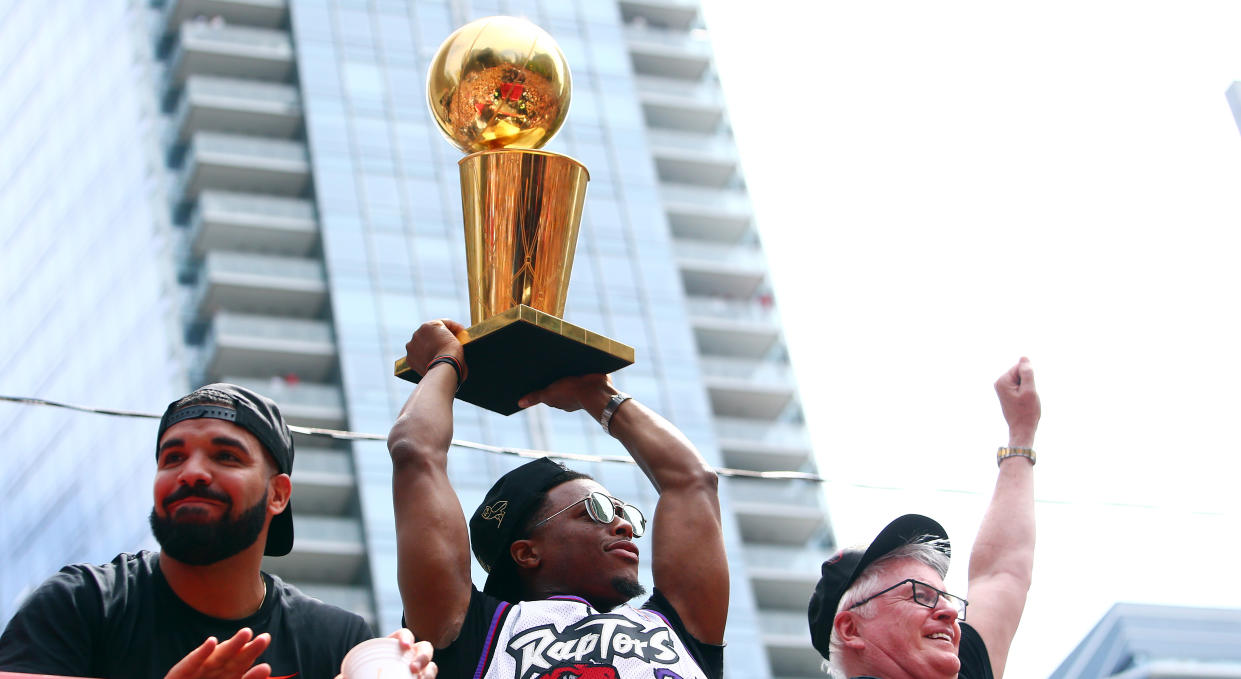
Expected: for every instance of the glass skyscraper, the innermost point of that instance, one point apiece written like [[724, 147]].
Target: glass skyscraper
[[86, 284], [315, 219]]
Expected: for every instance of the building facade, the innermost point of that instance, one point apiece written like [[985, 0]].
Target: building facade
[[316, 221], [1141, 641], [86, 284]]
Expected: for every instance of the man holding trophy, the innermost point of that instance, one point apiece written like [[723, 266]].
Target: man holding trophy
[[561, 553]]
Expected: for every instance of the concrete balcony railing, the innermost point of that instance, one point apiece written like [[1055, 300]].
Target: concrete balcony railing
[[707, 145], [731, 309], [675, 54], [778, 558], [323, 481], [785, 623], [756, 373], [326, 549], [706, 92], [676, 14], [255, 283], [244, 221], [747, 256], [790, 492], [232, 162], [218, 104], [759, 431], [705, 198], [261, 13], [234, 51], [307, 404], [266, 346]]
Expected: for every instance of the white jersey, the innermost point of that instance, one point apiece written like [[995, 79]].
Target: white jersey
[[565, 638]]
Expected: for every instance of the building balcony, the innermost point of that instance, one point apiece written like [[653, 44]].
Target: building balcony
[[669, 54], [715, 214], [714, 269], [306, 404], [326, 549], [692, 158], [777, 512], [207, 48], [232, 162], [759, 389], [222, 220], [212, 103], [323, 481], [787, 638], [261, 284], [763, 446], [762, 373], [672, 14], [266, 346], [783, 577], [681, 112], [260, 13]]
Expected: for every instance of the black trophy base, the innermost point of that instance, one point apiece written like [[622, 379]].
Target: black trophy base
[[522, 350]]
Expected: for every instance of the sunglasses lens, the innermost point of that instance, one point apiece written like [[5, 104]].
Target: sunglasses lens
[[635, 519], [601, 508]]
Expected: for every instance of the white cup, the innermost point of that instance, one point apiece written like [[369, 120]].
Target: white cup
[[377, 659]]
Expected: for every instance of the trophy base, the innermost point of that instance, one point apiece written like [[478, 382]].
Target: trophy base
[[522, 350]]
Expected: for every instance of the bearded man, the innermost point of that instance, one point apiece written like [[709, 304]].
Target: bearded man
[[222, 489]]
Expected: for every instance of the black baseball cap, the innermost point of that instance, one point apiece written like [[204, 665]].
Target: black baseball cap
[[842, 570], [256, 414], [504, 510]]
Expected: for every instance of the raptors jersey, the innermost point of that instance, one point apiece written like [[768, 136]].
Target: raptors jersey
[[565, 638]]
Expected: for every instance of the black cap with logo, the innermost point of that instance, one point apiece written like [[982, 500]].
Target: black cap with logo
[[503, 512], [256, 414], [842, 570]]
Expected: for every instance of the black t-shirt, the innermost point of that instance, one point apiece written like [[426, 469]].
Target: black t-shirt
[[122, 620], [975, 662], [478, 638]]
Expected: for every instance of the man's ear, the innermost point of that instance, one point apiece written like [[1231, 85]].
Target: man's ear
[[281, 491], [845, 624], [525, 553]]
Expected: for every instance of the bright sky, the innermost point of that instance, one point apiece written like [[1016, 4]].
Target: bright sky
[[944, 187]]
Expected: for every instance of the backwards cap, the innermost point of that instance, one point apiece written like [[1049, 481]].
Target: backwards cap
[[842, 570], [256, 414]]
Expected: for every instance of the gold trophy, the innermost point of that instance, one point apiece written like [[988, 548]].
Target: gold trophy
[[499, 89]]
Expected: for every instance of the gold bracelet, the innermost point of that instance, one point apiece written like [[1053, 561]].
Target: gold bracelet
[[1005, 453]]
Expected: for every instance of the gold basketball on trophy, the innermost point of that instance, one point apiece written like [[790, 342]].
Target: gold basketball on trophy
[[499, 82], [499, 89]]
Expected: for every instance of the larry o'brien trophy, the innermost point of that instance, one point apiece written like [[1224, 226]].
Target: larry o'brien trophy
[[499, 89]]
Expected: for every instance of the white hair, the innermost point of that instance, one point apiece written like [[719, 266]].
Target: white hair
[[926, 549]]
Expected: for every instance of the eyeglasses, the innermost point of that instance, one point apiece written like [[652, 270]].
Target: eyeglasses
[[924, 595], [602, 508]]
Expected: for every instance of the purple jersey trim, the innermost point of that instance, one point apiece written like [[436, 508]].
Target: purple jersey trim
[[488, 647], [570, 597], [661, 617]]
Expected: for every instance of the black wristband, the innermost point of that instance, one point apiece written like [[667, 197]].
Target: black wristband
[[456, 367]]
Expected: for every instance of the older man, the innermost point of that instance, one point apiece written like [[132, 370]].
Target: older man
[[882, 611], [222, 489]]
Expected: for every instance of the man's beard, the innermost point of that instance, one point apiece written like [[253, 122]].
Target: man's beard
[[629, 589], [201, 544]]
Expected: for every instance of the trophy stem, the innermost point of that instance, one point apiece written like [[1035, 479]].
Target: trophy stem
[[522, 210]]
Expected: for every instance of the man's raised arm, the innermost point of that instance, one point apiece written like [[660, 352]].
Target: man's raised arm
[[433, 545], [1002, 560], [687, 543]]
